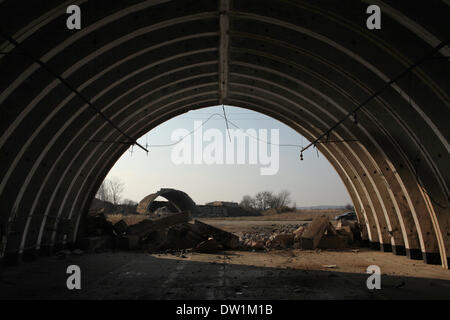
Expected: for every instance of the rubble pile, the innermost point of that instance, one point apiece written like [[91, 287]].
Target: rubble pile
[[175, 231], [262, 239], [170, 232], [96, 223], [320, 234], [264, 235]]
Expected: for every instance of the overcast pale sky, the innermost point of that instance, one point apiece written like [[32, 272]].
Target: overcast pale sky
[[311, 182]]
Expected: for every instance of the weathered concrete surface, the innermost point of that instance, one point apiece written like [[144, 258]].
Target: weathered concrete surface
[[310, 238], [332, 242], [182, 236], [145, 227], [225, 238], [206, 246], [228, 275]]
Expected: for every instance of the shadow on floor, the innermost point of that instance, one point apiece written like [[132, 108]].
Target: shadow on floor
[[125, 275]]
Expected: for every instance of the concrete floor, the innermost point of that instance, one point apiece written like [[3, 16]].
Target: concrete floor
[[293, 274]]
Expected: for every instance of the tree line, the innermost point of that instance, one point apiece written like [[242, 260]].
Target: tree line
[[111, 190], [264, 200]]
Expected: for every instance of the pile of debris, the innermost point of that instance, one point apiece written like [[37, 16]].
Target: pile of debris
[[170, 232], [262, 239], [264, 235], [176, 232], [319, 234]]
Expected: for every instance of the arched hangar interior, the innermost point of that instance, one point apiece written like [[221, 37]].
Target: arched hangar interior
[[135, 64]]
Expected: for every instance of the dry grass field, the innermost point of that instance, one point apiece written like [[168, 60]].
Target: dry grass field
[[299, 215]]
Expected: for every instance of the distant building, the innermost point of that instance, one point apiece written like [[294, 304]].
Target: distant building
[[222, 204], [222, 209]]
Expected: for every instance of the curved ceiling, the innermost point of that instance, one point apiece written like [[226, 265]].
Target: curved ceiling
[[136, 64]]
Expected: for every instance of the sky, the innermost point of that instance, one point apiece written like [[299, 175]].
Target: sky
[[311, 182]]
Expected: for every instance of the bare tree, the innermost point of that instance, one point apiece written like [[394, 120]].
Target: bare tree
[[103, 192], [267, 200], [283, 199], [264, 200], [248, 202], [115, 187]]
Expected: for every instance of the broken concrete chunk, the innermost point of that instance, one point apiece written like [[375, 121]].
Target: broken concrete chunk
[[258, 245], [146, 227], [183, 236], [330, 230], [347, 232], [97, 225], [120, 228], [143, 228], [333, 242], [298, 232], [355, 228], [154, 241], [206, 246], [281, 241], [313, 234], [226, 239]]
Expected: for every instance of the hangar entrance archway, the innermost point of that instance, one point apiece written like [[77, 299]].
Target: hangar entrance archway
[[228, 155], [307, 64]]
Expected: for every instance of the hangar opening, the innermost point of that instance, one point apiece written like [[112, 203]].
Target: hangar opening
[[245, 173]]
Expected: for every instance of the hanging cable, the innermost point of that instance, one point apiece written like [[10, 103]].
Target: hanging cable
[[187, 135], [146, 143], [230, 122], [226, 122], [248, 135], [301, 152]]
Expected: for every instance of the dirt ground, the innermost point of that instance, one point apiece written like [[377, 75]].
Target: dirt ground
[[238, 227], [269, 223], [299, 215], [282, 274], [278, 274]]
